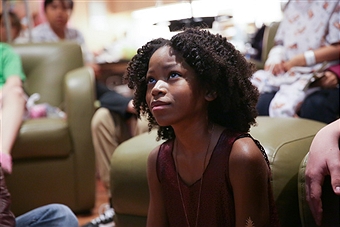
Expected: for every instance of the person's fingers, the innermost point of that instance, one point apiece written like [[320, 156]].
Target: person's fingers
[[327, 81], [336, 185], [330, 80], [274, 71], [286, 66], [130, 107], [313, 196], [281, 68], [314, 177], [334, 169], [267, 67], [277, 69]]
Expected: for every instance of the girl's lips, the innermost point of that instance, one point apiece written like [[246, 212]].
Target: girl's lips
[[156, 104]]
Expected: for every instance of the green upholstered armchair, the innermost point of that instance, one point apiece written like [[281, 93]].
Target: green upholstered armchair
[[286, 141], [53, 158]]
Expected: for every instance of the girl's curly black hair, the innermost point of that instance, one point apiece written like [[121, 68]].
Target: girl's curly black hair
[[219, 67]]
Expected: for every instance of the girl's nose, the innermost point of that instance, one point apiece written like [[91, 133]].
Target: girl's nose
[[159, 89]]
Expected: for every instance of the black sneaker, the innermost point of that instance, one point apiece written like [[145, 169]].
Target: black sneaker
[[105, 219]]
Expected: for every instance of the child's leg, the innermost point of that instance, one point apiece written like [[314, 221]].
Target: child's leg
[[12, 111], [48, 215]]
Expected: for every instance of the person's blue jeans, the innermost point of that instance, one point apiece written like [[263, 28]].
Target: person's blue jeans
[[53, 215], [322, 106]]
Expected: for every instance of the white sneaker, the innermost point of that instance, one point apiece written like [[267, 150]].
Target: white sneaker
[[105, 219]]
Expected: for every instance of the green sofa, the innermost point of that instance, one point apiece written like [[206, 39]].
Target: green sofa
[[286, 141], [53, 158]]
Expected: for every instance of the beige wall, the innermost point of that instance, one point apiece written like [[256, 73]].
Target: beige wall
[[117, 20], [103, 22], [96, 37]]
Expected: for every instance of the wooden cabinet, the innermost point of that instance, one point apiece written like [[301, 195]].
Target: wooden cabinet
[[112, 73]]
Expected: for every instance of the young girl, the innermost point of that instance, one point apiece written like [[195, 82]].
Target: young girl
[[12, 102], [195, 88]]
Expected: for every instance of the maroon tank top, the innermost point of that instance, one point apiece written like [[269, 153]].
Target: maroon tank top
[[217, 203]]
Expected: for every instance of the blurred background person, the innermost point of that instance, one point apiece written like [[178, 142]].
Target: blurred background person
[[57, 14], [323, 104], [307, 37], [15, 26], [12, 102]]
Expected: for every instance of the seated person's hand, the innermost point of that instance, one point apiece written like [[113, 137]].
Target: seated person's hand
[[323, 159], [276, 69], [328, 81], [297, 60], [95, 68], [130, 108]]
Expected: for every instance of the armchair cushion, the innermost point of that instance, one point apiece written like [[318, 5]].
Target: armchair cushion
[[43, 138]]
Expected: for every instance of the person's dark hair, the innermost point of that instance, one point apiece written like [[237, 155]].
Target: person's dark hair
[[66, 3], [15, 21], [219, 67]]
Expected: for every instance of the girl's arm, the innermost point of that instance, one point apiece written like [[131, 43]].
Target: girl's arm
[[156, 213], [249, 174]]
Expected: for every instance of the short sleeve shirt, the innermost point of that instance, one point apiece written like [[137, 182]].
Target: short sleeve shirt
[[10, 64], [309, 25], [44, 33]]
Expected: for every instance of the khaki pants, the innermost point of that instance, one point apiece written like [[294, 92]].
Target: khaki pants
[[108, 131]]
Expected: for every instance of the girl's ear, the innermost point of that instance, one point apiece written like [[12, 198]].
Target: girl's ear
[[210, 95]]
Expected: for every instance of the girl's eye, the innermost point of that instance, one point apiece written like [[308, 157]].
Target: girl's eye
[[174, 75], [150, 80]]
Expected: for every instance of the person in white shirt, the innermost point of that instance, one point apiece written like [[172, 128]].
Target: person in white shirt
[[57, 13]]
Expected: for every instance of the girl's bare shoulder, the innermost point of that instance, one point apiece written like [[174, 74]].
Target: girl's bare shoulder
[[246, 157], [153, 154]]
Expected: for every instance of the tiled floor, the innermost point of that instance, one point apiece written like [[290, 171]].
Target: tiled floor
[[101, 198]]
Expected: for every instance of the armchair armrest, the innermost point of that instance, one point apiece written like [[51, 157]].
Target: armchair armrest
[[79, 98]]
